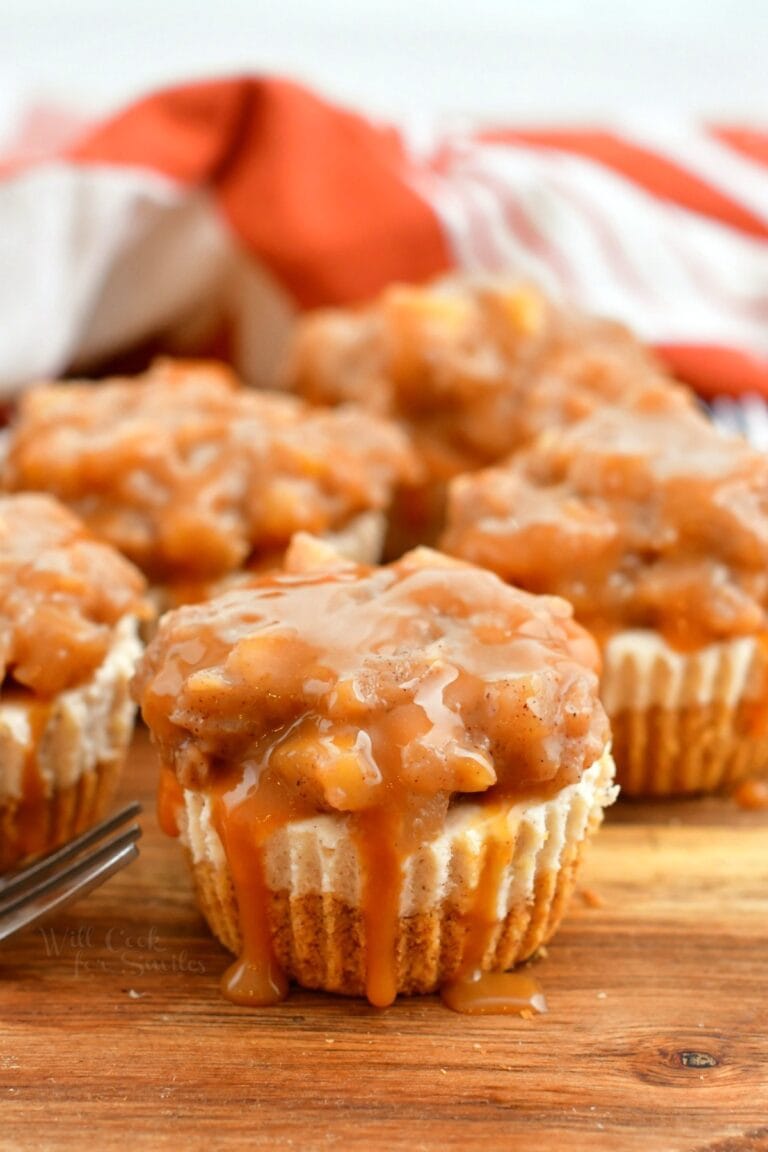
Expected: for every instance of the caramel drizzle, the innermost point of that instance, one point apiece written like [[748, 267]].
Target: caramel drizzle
[[245, 828], [474, 990], [34, 829], [170, 801], [378, 834], [481, 921], [256, 978], [246, 817]]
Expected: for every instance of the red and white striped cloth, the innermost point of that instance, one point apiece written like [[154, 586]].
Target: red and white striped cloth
[[209, 215]]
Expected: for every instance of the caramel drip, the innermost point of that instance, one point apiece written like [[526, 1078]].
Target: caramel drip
[[379, 843], [245, 825], [481, 921], [475, 991], [245, 822], [170, 801], [33, 816], [255, 978], [251, 810], [495, 993]]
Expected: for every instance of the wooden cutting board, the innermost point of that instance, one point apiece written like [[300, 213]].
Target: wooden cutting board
[[113, 1033]]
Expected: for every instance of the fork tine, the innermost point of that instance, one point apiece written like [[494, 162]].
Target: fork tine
[[88, 874], [71, 869], [26, 877]]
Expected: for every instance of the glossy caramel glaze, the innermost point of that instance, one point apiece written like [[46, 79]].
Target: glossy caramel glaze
[[649, 519], [495, 994], [385, 694], [474, 368], [192, 476], [61, 594]]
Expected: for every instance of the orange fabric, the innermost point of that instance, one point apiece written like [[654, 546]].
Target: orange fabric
[[327, 202], [320, 195], [656, 174], [750, 142], [184, 133], [716, 371]]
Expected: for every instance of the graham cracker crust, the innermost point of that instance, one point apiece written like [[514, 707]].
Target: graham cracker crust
[[32, 828], [699, 748], [319, 940]]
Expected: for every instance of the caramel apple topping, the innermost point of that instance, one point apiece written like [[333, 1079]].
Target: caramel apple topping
[[61, 595], [474, 368], [649, 519], [192, 476], [383, 695]]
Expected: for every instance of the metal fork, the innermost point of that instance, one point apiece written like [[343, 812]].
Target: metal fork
[[79, 866]]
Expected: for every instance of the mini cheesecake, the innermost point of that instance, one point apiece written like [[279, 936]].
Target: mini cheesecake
[[474, 368], [69, 609], [194, 477], [655, 526], [384, 777]]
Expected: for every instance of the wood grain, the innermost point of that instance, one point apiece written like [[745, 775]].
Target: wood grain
[[113, 1033]]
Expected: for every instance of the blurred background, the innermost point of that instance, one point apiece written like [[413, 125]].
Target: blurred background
[[569, 59], [678, 250]]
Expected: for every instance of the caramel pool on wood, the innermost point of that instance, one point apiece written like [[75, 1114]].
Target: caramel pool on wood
[[383, 776], [495, 994]]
